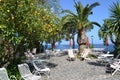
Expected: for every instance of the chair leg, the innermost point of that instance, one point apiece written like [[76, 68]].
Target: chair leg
[[115, 71], [47, 74]]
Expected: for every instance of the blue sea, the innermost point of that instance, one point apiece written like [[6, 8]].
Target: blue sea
[[65, 46]]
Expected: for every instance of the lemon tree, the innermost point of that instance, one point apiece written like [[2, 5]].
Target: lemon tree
[[19, 25], [51, 27], [24, 22]]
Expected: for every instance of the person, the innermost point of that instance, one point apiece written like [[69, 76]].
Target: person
[[70, 43], [87, 42]]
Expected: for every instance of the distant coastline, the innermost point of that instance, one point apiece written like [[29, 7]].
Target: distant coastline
[[66, 46]]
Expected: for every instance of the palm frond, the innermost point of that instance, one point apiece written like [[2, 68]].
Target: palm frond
[[79, 9], [115, 10], [86, 12], [68, 18], [97, 24], [69, 12], [93, 5]]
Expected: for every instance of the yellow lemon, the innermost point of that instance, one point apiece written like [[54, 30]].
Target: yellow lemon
[[12, 17], [8, 10]]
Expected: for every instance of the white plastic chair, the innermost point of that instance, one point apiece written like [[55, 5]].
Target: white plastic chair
[[71, 55], [34, 50], [26, 73], [48, 53], [85, 53], [105, 58], [115, 66], [40, 67], [56, 52], [102, 56], [4, 75], [32, 57], [111, 59]]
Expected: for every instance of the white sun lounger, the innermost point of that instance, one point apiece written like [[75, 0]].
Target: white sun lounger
[[115, 66], [26, 73], [85, 53], [40, 67], [71, 55], [4, 75]]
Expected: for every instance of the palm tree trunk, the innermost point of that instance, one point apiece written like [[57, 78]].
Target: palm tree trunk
[[82, 38]]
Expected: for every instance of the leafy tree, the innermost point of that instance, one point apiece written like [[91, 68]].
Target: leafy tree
[[80, 20], [54, 6], [23, 23], [111, 27], [19, 18], [51, 28], [52, 23]]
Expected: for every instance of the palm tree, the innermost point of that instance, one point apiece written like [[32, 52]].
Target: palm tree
[[69, 32], [105, 30], [81, 22], [111, 27]]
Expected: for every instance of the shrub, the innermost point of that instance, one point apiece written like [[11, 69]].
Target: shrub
[[13, 69]]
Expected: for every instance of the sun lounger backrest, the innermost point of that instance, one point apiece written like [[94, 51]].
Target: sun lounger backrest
[[34, 50], [70, 53], [24, 70], [3, 74], [29, 55], [115, 66], [118, 56], [38, 64], [85, 53]]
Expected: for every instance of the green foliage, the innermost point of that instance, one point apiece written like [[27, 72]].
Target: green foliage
[[111, 26], [18, 18], [3, 59], [22, 23], [6, 53], [13, 68]]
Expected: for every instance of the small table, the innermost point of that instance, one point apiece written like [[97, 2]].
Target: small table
[[106, 56]]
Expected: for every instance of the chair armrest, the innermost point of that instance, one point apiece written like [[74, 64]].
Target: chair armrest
[[41, 60]]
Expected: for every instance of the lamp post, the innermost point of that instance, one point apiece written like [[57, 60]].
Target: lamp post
[[92, 41]]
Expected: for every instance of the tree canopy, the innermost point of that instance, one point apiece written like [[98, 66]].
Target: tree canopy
[[111, 26]]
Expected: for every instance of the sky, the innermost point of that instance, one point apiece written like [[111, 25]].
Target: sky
[[100, 13]]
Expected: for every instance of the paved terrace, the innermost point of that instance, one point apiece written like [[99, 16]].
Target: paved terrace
[[62, 69]]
